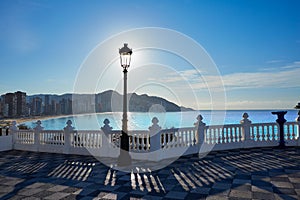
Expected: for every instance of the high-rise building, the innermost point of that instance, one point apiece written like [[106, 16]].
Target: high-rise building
[[47, 105], [10, 100], [36, 106], [21, 103]]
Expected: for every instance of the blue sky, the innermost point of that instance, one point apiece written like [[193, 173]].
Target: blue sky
[[255, 44]]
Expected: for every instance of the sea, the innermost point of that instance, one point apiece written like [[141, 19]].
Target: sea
[[142, 121]]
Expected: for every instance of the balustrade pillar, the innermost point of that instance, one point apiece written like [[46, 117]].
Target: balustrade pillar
[[200, 127], [281, 120], [246, 135], [68, 130], [107, 130], [13, 131], [155, 136], [37, 130]]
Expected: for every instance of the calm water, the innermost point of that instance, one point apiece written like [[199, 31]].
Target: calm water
[[141, 121]]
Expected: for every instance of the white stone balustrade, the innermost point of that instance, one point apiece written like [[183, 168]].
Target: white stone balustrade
[[181, 141]]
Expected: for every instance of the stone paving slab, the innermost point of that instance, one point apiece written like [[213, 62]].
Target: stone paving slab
[[261, 173]]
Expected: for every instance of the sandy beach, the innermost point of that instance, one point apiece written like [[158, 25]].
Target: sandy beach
[[21, 120]]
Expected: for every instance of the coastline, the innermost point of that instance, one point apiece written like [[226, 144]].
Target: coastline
[[21, 120]]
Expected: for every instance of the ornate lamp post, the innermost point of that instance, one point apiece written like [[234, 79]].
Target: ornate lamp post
[[124, 158]]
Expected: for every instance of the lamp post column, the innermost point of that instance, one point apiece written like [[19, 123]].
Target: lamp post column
[[125, 139]]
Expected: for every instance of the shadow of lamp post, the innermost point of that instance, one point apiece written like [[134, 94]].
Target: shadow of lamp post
[[124, 158]]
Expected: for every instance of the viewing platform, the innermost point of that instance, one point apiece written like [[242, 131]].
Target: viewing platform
[[234, 161], [256, 173]]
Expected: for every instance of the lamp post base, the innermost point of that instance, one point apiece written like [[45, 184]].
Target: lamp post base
[[124, 158]]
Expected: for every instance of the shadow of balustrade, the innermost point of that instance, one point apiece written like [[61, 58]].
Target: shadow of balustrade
[[219, 173]]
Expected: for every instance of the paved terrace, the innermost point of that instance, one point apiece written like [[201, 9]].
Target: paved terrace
[[261, 173]]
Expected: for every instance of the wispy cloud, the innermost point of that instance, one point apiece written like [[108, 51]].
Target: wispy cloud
[[286, 77], [274, 61]]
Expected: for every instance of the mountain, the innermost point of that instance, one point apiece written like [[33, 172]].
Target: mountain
[[112, 101]]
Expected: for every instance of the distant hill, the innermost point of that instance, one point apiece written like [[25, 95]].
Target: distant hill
[[112, 101]]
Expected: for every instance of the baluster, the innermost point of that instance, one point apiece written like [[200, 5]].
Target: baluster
[[193, 135], [216, 135], [235, 134], [184, 142], [95, 140], [232, 135], [91, 140], [271, 132], [84, 137], [165, 139], [240, 137], [77, 139], [219, 137], [207, 136], [251, 133], [257, 133], [176, 139], [212, 135], [289, 130], [293, 132], [188, 135], [224, 138], [268, 133], [140, 141], [143, 141], [263, 133], [162, 140], [137, 142], [275, 129], [195, 140], [147, 142], [99, 136], [179, 138], [188, 138], [184, 138], [216, 132], [228, 135]]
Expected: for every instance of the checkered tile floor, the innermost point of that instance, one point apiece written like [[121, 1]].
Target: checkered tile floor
[[261, 173]]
